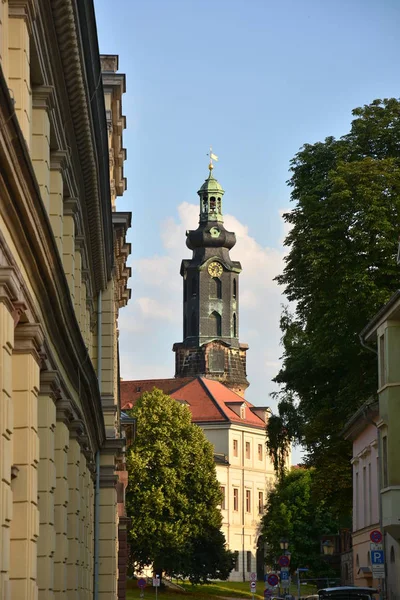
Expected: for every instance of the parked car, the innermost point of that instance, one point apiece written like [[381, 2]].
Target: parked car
[[347, 593]]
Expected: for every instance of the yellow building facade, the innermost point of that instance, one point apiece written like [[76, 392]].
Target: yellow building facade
[[63, 279]]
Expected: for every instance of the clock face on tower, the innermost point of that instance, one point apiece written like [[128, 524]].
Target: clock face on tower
[[215, 269]]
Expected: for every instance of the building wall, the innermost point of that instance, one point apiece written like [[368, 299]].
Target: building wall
[[55, 234], [366, 511], [251, 477]]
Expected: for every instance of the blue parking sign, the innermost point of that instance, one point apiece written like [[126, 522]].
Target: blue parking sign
[[284, 575], [377, 557]]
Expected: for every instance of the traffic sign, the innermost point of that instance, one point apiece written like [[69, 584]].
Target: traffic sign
[[285, 579], [378, 564], [284, 561], [268, 593], [375, 536], [373, 546], [156, 582], [273, 579], [141, 583], [253, 576], [253, 586]]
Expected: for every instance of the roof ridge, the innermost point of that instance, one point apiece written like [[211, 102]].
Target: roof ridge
[[204, 385]]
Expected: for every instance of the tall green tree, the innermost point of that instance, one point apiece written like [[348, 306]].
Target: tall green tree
[[173, 495], [340, 269], [294, 512]]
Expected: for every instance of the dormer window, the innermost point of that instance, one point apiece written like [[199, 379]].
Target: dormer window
[[243, 411]]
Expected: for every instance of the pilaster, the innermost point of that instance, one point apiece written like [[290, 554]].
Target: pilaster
[[21, 15], [4, 39], [8, 293], [108, 516], [25, 521], [56, 212], [70, 208], [61, 497], [73, 513], [78, 281], [48, 395], [40, 151]]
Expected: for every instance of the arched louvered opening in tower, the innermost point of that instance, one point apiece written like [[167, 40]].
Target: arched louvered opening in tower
[[215, 324], [213, 204], [215, 288], [234, 288], [234, 325]]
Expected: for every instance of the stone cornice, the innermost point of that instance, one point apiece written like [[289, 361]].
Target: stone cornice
[[43, 97], [108, 478], [23, 9], [58, 160], [70, 47], [28, 339], [9, 287], [64, 411], [50, 385]]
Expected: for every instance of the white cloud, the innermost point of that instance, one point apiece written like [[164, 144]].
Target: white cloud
[[152, 322]]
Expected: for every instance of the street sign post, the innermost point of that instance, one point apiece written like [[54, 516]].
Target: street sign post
[[285, 578], [375, 536], [268, 593], [273, 579], [156, 583], [253, 576], [253, 586], [141, 584], [378, 564], [284, 560]]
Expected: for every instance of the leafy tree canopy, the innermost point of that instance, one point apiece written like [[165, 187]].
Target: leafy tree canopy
[[173, 494], [294, 512], [340, 269]]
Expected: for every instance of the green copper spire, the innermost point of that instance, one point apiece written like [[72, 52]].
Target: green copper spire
[[211, 193]]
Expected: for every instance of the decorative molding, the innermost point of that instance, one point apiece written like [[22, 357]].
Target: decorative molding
[[43, 97], [70, 207], [50, 385], [23, 9], [108, 478], [28, 339], [9, 287], [58, 160], [64, 411]]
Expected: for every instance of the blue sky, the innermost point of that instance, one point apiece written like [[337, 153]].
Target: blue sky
[[256, 79]]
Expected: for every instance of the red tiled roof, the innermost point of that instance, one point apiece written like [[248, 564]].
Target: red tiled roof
[[208, 400], [132, 390]]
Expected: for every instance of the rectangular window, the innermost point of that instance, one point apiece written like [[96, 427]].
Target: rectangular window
[[260, 452], [364, 484], [248, 561], [382, 369], [235, 499], [222, 488], [248, 450], [260, 503], [356, 516], [235, 448], [369, 494], [384, 462], [236, 561], [248, 501]]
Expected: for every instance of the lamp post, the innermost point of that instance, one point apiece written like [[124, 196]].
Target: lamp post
[[284, 544], [328, 547]]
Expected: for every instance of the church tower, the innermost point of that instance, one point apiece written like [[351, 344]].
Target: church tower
[[211, 344]]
